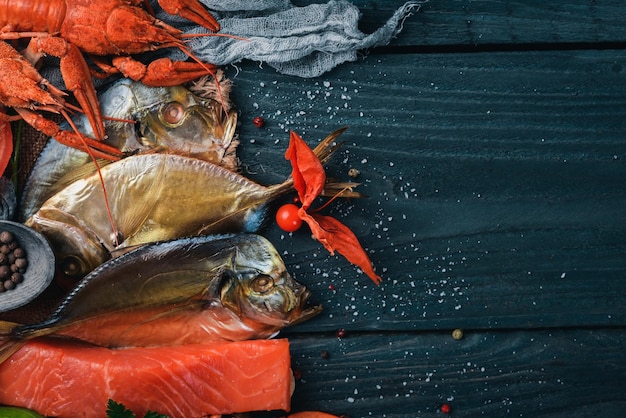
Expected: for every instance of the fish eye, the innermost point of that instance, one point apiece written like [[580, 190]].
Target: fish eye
[[72, 266], [262, 284], [172, 113]]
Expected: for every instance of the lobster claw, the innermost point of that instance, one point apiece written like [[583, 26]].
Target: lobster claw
[[78, 80], [191, 10], [162, 72], [76, 75], [27, 91]]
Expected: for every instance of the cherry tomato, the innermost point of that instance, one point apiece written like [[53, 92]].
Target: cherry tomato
[[287, 218]]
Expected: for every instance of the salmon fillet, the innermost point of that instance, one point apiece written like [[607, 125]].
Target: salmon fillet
[[67, 379]]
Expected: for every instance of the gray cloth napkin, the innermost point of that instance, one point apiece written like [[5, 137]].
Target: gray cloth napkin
[[302, 41]]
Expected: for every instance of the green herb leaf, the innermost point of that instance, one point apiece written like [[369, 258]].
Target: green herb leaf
[[117, 410], [151, 414]]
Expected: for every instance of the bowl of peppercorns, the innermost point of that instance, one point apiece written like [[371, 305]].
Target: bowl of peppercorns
[[26, 265]]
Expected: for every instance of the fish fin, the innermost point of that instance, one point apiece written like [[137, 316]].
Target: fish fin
[[81, 171], [117, 252], [324, 151], [133, 220], [7, 327], [326, 148], [335, 188], [8, 345]]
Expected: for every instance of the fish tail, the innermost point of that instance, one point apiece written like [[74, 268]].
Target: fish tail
[[10, 347], [327, 146], [8, 344], [7, 328], [281, 188], [324, 151], [332, 188]]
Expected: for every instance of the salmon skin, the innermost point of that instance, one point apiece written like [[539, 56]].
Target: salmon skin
[[187, 291], [69, 380]]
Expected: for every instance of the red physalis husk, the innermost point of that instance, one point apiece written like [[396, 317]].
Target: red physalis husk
[[309, 179]]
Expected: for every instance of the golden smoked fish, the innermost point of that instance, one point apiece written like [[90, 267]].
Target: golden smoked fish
[[141, 119], [188, 291], [152, 197]]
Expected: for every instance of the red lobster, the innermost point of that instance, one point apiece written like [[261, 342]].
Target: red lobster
[[67, 29]]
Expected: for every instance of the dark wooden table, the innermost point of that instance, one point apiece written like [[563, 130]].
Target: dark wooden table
[[490, 137]]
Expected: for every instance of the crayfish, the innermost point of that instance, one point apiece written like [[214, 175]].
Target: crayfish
[[67, 29]]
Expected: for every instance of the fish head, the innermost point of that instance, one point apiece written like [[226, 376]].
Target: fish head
[[274, 300], [169, 120], [186, 124], [257, 287]]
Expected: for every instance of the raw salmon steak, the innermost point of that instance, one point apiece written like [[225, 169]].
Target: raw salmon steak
[[66, 379]]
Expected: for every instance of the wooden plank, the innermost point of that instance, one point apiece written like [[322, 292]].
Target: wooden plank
[[495, 186], [556, 373], [525, 23]]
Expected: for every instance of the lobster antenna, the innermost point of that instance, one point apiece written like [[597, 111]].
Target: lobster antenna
[[104, 117], [223, 35], [95, 162]]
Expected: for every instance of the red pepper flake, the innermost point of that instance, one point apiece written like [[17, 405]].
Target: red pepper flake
[[341, 333], [297, 374], [258, 121], [446, 408], [309, 179], [331, 287]]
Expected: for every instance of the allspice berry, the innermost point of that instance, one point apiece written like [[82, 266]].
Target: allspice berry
[[13, 261], [354, 172], [6, 237], [17, 277], [5, 271]]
